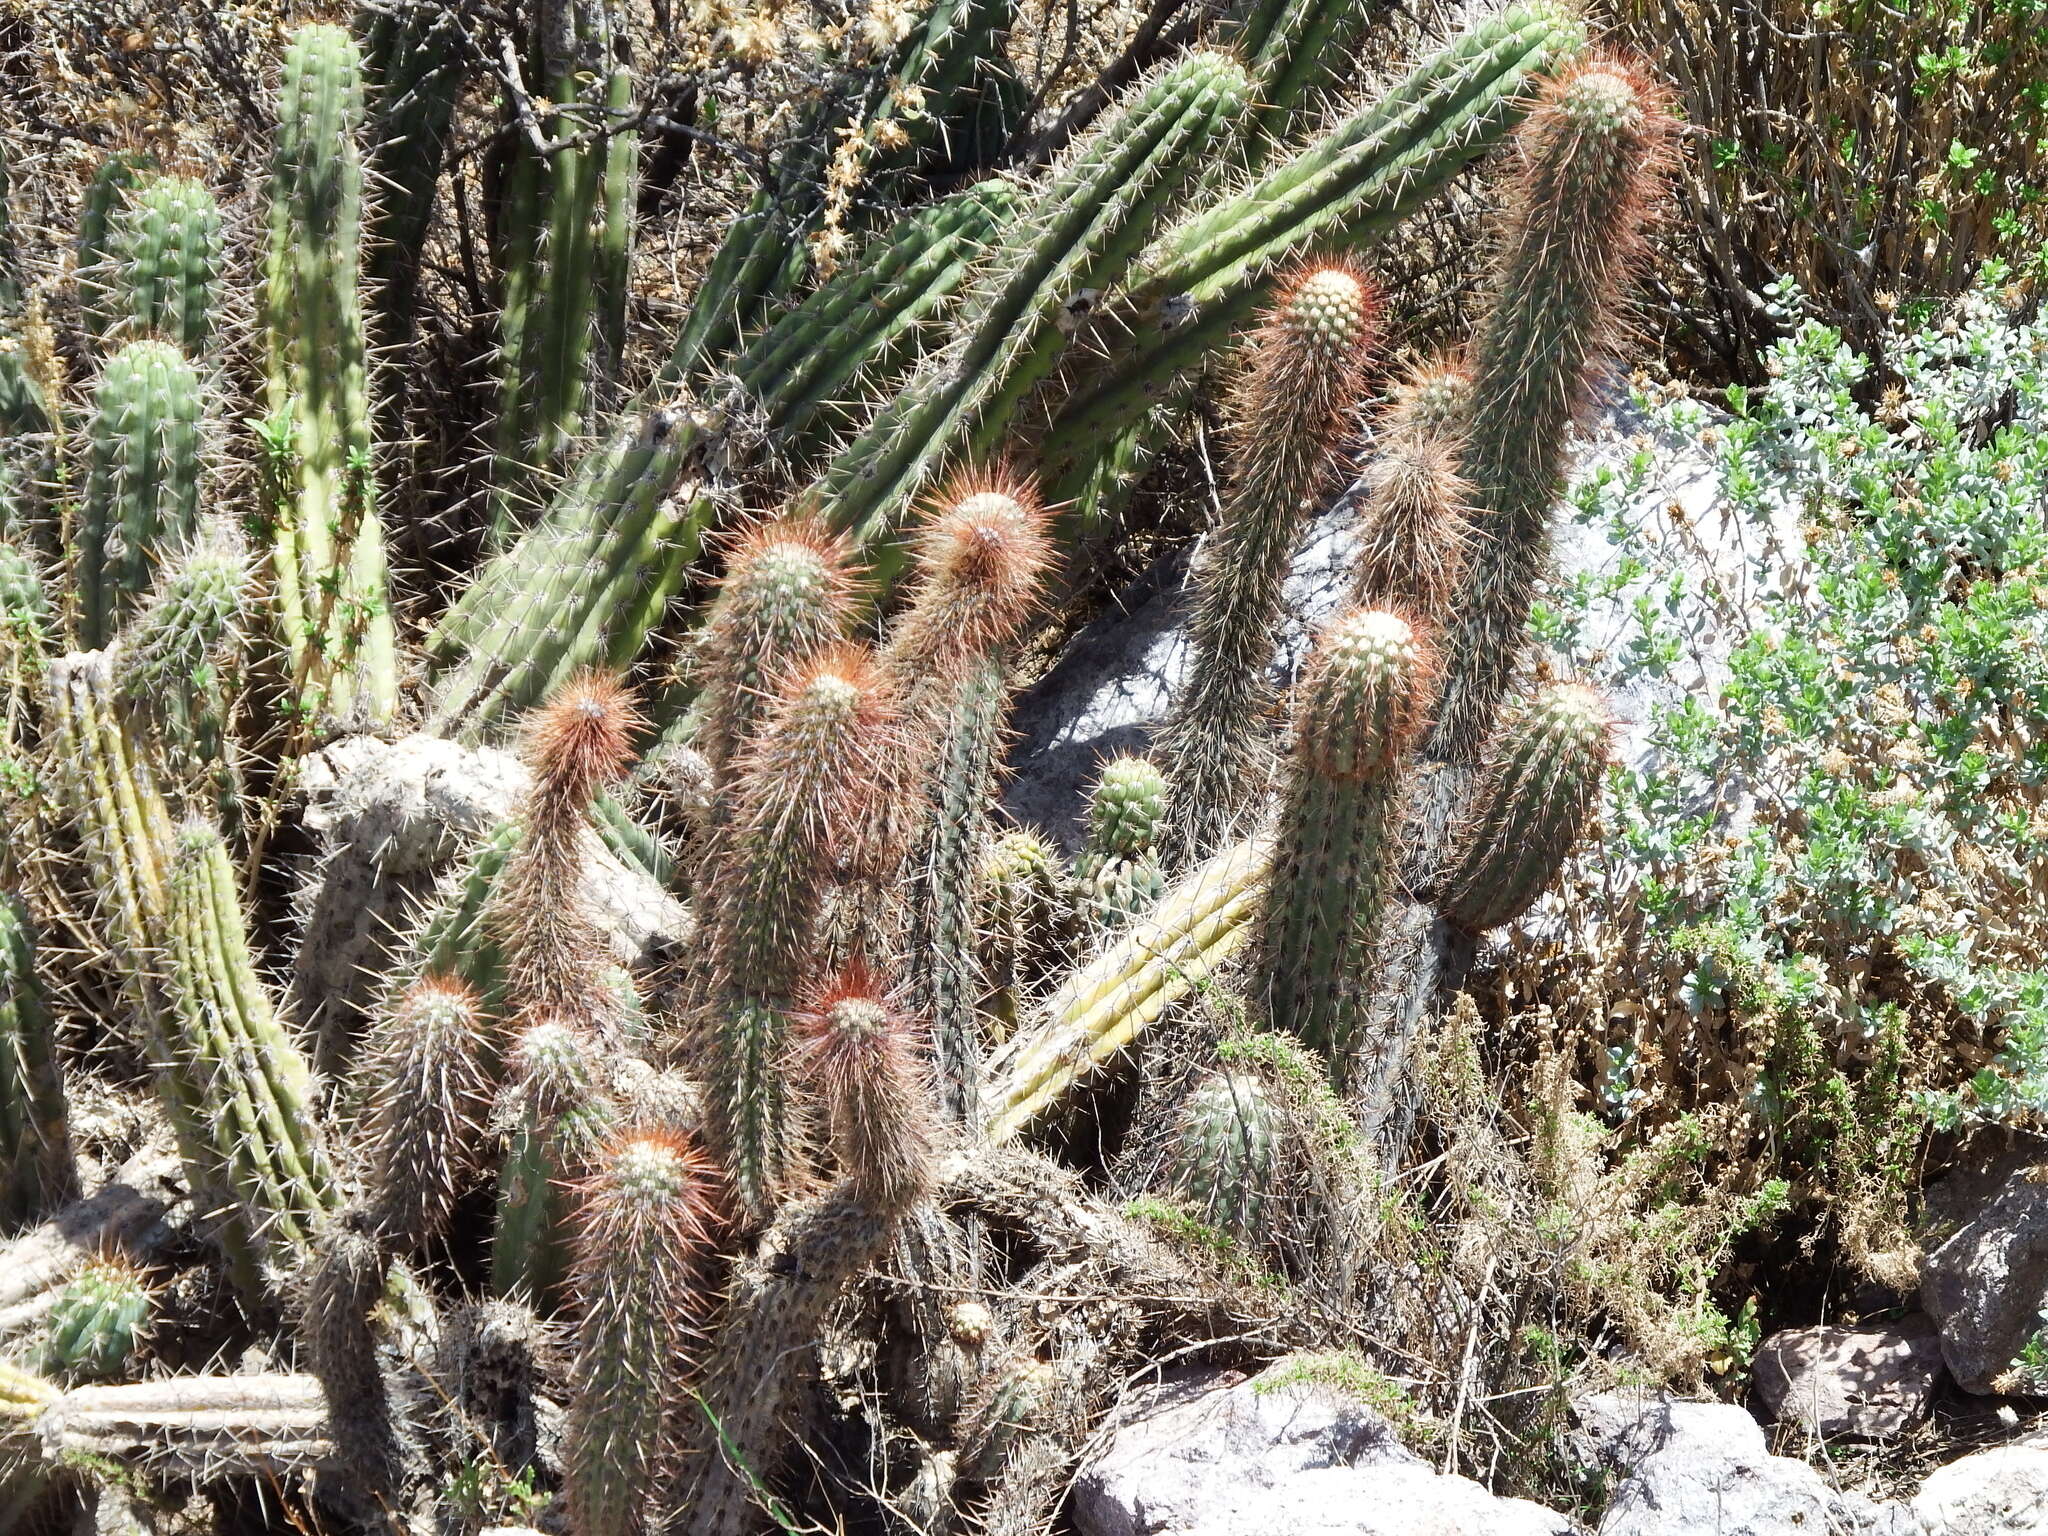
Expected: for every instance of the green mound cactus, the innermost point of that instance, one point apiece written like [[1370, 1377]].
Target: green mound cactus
[[98, 1322], [1225, 1162], [1118, 870]]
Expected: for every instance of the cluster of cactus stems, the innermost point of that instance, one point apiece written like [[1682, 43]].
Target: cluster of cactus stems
[[688, 1168]]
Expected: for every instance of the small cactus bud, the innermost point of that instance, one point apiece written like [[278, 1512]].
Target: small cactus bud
[[1119, 873], [969, 1322], [98, 1321], [1541, 782]]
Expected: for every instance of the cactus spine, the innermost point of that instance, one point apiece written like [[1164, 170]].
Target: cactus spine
[[862, 1055], [644, 1231], [142, 481], [167, 261], [1118, 869], [1364, 697], [327, 556], [232, 1057], [1541, 782], [807, 791], [1290, 408], [1592, 157], [1073, 236], [36, 1166]]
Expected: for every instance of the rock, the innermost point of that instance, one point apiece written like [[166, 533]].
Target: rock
[[1113, 682], [1702, 1469], [1214, 1455], [390, 820], [2002, 1491], [1986, 1286], [1872, 1383]]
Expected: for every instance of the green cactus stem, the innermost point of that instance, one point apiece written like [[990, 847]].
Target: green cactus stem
[[167, 262], [327, 557], [1071, 237], [1205, 918], [1363, 698], [1117, 873], [229, 1054], [1224, 1165], [644, 1230], [142, 481], [1023, 920], [559, 1113], [1593, 159], [37, 1170], [98, 1321], [426, 1075], [1346, 190], [99, 219], [414, 69], [1540, 784], [1291, 408]]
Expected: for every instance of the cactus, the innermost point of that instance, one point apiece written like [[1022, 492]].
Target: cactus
[[1348, 188], [1203, 919], [1540, 783], [860, 1051], [175, 659], [413, 67], [1118, 871], [561, 218], [644, 1232], [327, 542], [1413, 531], [167, 260], [142, 481], [37, 1171], [98, 1322], [99, 219], [1593, 155], [1364, 697], [426, 1069], [1022, 915], [787, 593], [807, 790], [192, 1426], [587, 583], [1074, 236], [1290, 409], [1225, 1162], [347, 1281], [231, 1056], [559, 1113]]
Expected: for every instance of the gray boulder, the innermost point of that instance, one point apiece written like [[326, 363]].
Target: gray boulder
[[1999, 1492], [1702, 1469], [1986, 1286], [1216, 1455], [1871, 1383]]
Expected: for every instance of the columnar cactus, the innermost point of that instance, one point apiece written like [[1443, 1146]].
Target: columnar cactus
[[807, 792], [99, 221], [1117, 873], [1290, 409], [36, 1166], [232, 1057], [142, 481], [982, 558], [862, 1054], [1413, 529], [1592, 159], [645, 1225], [1022, 917], [426, 1074], [787, 593], [1225, 1162], [327, 546], [167, 260], [559, 1110], [1541, 782], [98, 1321], [1073, 236], [1364, 697]]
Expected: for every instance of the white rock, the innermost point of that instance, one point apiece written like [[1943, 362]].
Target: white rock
[[2002, 1491], [1217, 1456]]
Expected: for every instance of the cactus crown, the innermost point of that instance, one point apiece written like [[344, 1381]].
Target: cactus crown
[[860, 1048], [982, 556], [582, 738], [1126, 808], [1365, 695]]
